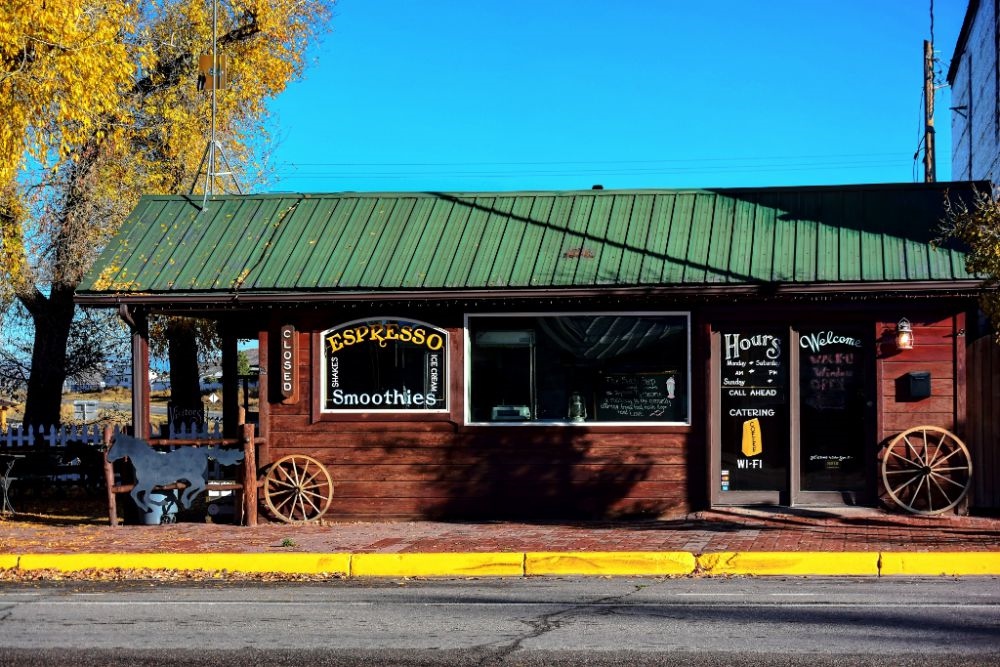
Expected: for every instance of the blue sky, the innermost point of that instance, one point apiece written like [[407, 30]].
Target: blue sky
[[469, 95]]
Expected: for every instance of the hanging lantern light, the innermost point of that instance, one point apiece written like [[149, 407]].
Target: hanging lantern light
[[904, 335]]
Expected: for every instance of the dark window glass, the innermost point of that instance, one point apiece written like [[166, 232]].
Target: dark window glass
[[579, 368], [385, 365]]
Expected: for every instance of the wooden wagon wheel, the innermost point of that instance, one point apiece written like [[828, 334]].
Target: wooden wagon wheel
[[926, 470], [298, 488]]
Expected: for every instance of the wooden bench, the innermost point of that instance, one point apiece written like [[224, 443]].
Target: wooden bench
[[246, 488]]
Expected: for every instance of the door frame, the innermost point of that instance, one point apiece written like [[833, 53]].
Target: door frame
[[791, 494]]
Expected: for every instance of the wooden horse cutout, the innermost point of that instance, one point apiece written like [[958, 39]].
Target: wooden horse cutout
[[153, 468]]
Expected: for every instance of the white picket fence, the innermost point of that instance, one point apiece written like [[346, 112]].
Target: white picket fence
[[92, 434], [53, 436]]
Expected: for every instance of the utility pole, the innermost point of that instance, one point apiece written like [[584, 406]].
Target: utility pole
[[930, 170]]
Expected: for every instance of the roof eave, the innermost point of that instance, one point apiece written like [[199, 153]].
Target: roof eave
[[229, 298]]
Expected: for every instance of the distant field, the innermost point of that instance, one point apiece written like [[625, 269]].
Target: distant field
[[115, 405]]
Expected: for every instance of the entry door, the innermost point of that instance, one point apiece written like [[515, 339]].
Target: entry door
[[794, 416], [752, 441], [833, 453]]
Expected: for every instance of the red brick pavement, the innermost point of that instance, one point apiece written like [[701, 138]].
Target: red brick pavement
[[702, 532]]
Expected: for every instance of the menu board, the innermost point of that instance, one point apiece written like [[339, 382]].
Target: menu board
[[754, 416], [639, 397]]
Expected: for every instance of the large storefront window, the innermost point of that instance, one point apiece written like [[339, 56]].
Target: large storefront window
[[384, 365], [579, 368]]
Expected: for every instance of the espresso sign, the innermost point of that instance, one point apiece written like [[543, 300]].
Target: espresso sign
[[289, 355], [385, 365]]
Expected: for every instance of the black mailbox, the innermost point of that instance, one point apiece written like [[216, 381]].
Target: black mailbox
[[917, 385]]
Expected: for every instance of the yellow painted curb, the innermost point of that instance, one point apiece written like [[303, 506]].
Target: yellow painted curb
[[8, 561], [941, 563], [438, 565], [847, 563], [621, 563], [286, 563]]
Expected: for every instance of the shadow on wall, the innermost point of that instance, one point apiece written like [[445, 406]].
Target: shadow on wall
[[521, 473]]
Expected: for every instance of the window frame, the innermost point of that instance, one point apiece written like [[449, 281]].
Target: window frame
[[467, 370], [444, 378]]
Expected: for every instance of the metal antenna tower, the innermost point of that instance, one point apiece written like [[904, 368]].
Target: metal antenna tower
[[214, 152]]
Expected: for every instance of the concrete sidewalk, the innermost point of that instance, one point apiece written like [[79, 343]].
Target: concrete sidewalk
[[778, 541]]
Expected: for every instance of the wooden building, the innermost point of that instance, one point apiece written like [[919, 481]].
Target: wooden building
[[570, 354]]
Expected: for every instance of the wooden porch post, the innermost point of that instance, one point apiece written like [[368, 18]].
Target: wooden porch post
[[139, 324], [230, 383]]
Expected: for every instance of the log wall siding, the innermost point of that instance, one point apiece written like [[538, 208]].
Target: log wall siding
[[933, 351], [434, 466], [982, 432]]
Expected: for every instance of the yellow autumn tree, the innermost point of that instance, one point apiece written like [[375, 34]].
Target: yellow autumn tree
[[100, 103]]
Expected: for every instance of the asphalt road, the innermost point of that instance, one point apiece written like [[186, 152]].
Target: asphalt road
[[593, 621]]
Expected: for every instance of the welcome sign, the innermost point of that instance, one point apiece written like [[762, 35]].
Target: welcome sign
[[384, 365]]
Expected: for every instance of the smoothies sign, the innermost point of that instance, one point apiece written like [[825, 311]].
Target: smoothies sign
[[384, 365]]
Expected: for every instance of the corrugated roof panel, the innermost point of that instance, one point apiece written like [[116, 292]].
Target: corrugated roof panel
[[616, 217], [527, 254], [762, 259], [720, 242], [207, 231], [939, 265], [805, 262], [634, 243], [743, 241], [679, 239], [155, 228], [655, 261], [315, 252], [893, 258], [552, 242], [356, 270], [828, 240], [701, 236], [383, 253], [849, 249], [917, 267], [783, 260], [597, 242], [314, 226], [510, 244], [438, 264], [262, 268], [460, 269], [574, 248], [345, 252], [404, 271], [388, 241], [957, 264], [872, 256], [485, 259], [249, 241]]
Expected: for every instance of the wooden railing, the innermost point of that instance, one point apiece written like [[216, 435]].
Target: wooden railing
[[246, 487]]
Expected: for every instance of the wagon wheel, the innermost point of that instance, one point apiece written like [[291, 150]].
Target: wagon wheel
[[926, 470], [297, 488]]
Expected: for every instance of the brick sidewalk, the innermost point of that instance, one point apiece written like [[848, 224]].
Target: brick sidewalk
[[703, 532]]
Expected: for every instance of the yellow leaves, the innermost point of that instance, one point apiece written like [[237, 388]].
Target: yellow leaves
[[99, 97]]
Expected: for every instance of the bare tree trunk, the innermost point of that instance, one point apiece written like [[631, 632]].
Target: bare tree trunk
[[52, 317]]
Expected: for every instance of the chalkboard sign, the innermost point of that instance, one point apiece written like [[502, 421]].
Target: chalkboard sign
[[639, 397], [753, 421]]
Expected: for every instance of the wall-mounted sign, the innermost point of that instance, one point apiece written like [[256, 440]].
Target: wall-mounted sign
[[386, 365], [289, 363], [754, 419]]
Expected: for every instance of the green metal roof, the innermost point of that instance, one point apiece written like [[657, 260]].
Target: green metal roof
[[385, 242]]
